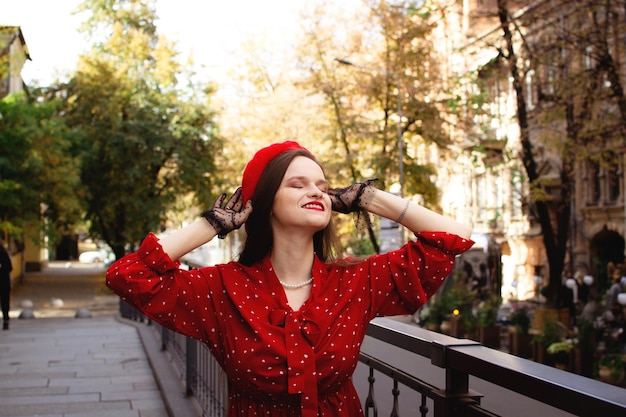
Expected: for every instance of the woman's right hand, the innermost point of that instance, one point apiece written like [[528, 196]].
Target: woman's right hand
[[230, 216]]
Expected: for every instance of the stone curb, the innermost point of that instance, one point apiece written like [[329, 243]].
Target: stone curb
[[170, 385]]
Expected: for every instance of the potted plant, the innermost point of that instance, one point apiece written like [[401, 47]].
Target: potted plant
[[448, 311], [611, 368], [460, 302], [584, 346], [520, 319], [434, 315], [521, 340], [550, 332], [559, 352], [486, 318]]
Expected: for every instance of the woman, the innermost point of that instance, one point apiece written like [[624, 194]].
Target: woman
[[286, 321]]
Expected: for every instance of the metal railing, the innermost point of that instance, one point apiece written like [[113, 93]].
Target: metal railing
[[458, 358], [462, 358]]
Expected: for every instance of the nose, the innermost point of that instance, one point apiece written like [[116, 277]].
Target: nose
[[315, 191]]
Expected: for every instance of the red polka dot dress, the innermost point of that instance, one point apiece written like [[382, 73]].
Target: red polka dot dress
[[281, 362]]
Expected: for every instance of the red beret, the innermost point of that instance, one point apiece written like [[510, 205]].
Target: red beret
[[253, 170]]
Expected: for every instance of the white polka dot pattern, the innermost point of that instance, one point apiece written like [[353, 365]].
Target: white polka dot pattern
[[283, 362]]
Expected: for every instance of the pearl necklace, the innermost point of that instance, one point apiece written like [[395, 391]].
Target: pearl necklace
[[298, 285]]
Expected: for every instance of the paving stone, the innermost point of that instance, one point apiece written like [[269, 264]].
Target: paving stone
[[67, 367], [28, 392], [22, 383], [57, 365], [153, 413], [51, 399], [134, 395], [62, 408], [102, 389], [114, 413]]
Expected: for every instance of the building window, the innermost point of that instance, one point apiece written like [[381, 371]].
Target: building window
[[593, 178], [516, 195], [588, 58], [530, 99], [481, 197], [613, 175]]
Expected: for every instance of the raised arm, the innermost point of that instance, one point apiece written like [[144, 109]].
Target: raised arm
[[413, 216], [188, 238], [218, 221]]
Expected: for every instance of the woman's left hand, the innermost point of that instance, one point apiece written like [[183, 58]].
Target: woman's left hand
[[353, 198]]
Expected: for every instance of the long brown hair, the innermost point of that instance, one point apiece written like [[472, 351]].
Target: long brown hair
[[260, 239]]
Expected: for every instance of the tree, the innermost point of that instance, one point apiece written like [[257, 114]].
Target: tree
[[146, 137], [569, 53], [362, 100], [38, 177]]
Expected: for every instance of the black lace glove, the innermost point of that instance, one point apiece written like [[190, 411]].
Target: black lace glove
[[229, 217], [353, 198]]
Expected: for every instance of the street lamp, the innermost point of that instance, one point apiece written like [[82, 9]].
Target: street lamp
[[572, 285], [538, 279], [399, 109]]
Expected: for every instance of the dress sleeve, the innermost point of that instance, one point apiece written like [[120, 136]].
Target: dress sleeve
[[173, 297], [403, 280]]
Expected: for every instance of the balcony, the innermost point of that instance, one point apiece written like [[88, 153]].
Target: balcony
[[407, 370]]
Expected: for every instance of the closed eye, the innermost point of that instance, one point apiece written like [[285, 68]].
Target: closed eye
[[300, 182]]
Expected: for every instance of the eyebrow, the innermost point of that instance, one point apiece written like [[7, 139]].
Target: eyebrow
[[303, 178]]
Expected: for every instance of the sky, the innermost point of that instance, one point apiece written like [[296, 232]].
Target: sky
[[212, 30]]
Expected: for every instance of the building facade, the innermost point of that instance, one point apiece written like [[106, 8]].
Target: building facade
[[13, 56], [489, 174]]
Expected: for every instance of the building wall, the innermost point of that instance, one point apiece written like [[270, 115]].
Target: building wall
[[495, 192], [13, 56]]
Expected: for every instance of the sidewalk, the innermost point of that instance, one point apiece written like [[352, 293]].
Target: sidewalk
[[56, 365], [93, 367], [63, 288]]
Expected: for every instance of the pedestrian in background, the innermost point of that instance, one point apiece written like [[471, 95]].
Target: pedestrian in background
[[286, 321], [5, 284]]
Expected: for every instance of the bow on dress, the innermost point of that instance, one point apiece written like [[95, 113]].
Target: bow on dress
[[301, 335]]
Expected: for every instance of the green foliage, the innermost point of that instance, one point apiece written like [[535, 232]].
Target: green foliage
[[613, 361], [549, 333], [145, 138], [577, 110], [362, 99], [585, 337], [438, 311], [487, 312], [559, 351], [38, 177], [520, 319], [448, 301], [418, 181], [359, 246]]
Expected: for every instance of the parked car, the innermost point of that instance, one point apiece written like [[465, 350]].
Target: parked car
[[96, 256]]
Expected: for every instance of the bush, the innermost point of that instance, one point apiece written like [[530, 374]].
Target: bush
[[487, 314], [586, 336], [613, 361], [520, 319], [550, 333]]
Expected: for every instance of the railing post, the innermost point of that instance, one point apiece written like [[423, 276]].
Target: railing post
[[164, 338], [453, 400], [370, 402], [456, 382], [191, 370]]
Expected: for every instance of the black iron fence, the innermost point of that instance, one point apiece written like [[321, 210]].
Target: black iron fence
[[458, 359]]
